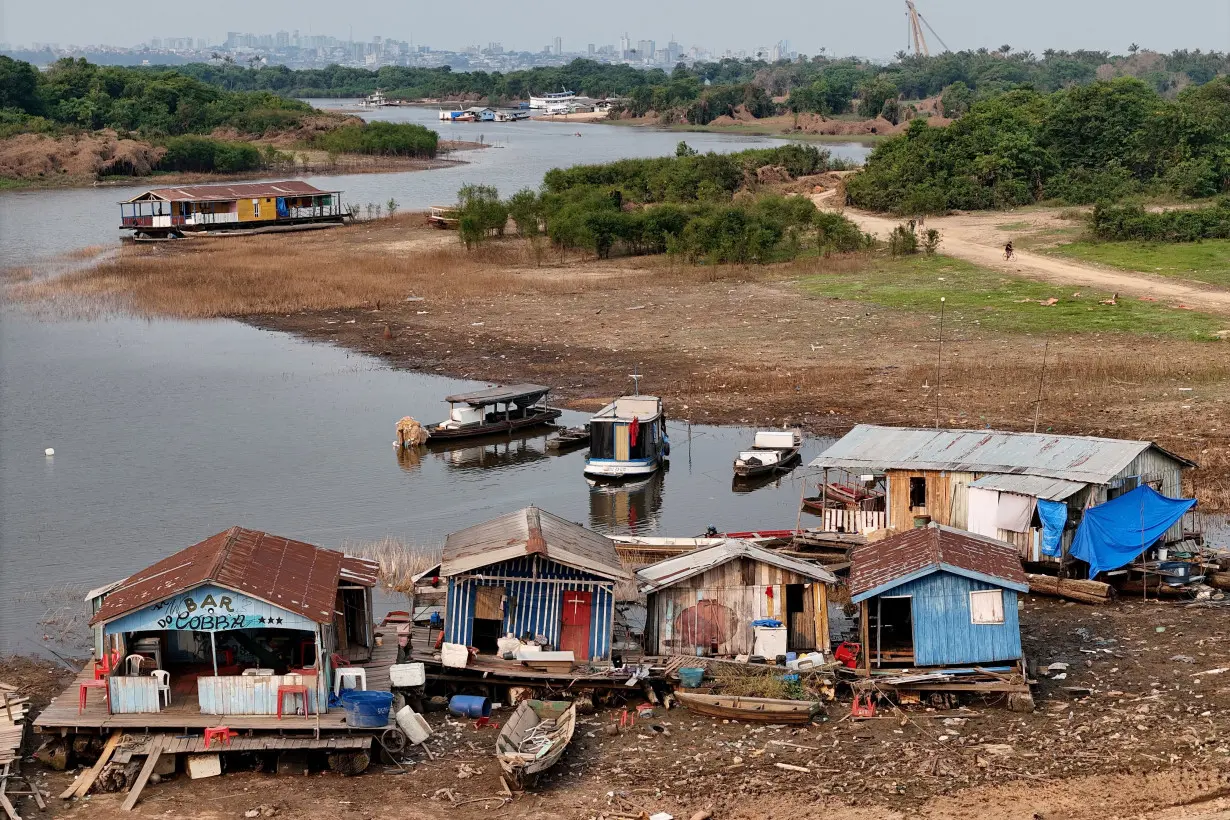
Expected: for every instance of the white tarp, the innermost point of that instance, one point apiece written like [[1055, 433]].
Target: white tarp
[[983, 512], [1015, 512]]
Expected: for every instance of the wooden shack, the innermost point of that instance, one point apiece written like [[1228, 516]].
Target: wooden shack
[[531, 573], [937, 597], [991, 482], [708, 599]]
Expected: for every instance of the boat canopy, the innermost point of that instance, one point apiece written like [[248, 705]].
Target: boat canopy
[[626, 408], [522, 395]]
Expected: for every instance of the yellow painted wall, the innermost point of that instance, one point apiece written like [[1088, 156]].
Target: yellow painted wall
[[268, 209]]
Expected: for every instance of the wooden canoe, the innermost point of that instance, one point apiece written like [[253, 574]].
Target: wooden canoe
[[535, 738], [760, 710]]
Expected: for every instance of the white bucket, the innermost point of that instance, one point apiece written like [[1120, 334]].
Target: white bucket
[[412, 725], [407, 674]]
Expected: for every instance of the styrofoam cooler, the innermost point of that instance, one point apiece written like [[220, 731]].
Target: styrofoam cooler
[[412, 725], [454, 655], [407, 674], [768, 641]]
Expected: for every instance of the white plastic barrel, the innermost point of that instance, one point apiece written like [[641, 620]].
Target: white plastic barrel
[[412, 725]]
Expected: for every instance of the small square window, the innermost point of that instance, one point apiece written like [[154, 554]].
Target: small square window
[[986, 606]]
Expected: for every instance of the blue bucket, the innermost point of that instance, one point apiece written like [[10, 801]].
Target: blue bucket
[[691, 677], [367, 710], [470, 706]]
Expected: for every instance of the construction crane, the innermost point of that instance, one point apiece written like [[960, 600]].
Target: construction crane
[[919, 42]]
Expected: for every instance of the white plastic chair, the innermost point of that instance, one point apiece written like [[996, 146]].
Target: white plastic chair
[[357, 673], [164, 684], [133, 664]]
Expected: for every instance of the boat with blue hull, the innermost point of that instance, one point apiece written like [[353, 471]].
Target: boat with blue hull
[[627, 438]]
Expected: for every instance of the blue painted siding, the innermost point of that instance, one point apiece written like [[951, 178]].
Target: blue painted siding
[[532, 606], [943, 634]]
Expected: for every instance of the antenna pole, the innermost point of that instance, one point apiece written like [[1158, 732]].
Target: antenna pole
[[1041, 376], [939, 365]]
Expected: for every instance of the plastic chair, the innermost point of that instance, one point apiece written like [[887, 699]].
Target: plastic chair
[[164, 684], [358, 674], [293, 689], [83, 692], [133, 664], [222, 733]]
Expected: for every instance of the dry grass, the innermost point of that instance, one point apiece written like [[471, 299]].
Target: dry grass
[[399, 561]]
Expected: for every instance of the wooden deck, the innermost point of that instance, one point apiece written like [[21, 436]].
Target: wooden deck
[[131, 746], [61, 715]]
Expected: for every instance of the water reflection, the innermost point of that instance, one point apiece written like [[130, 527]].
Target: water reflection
[[632, 506], [750, 484], [493, 451]]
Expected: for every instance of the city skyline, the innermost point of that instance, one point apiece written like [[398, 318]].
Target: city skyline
[[874, 28]]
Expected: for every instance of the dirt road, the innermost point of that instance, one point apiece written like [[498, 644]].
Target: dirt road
[[979, 239]]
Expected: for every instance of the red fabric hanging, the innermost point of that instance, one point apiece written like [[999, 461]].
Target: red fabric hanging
[[634, 430]]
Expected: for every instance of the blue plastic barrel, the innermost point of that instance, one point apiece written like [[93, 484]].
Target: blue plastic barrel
[[470, 706], [691, 677], [367, 710]]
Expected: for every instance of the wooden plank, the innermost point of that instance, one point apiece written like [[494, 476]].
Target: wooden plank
[[151, 761], [83, 783], [8, 807]]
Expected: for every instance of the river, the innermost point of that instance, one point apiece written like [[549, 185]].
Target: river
[[166, 432]]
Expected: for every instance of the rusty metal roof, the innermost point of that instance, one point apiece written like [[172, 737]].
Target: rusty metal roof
[[225, 193], [1086, 459], [690, 564], [362, 571], [522, 533], [498, 393], [882, 565], [294, 575]]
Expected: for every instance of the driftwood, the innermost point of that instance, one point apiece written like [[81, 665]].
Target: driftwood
[[1086, 592], [1154, 589], [117, 777], [1218, 580]]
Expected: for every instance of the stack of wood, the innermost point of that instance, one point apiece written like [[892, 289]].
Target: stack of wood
[[1087, 592], [12, 723]]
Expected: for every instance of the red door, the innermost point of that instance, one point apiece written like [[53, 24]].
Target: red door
[[574, 623]]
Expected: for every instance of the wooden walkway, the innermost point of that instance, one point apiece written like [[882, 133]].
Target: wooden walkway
[[183, 713], [131, 746]]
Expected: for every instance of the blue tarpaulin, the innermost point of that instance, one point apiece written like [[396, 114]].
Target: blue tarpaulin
[[1112, 534], [1054, 516]]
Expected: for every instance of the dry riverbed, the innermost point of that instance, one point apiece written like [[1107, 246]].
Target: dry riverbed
[[810, 343]]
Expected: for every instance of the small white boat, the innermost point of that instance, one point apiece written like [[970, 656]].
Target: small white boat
[[535, 737], [627, 438], [772, 451]]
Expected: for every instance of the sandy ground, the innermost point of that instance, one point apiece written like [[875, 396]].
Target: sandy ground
[[979, 239], [1147, 741]]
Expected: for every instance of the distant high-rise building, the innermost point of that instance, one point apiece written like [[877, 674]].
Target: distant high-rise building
[[558, 46], [591, 50], [645, 49], [282, 39], [673, 52], [625, 46]]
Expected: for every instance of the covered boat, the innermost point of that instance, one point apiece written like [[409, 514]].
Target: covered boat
[[535, 738], [495, 410], [761, 710], [627, 438], [772, 451]]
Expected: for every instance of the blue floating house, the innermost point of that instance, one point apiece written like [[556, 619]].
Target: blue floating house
[[937, 597], [532, 573]]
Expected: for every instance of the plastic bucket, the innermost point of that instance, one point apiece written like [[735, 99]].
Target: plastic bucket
[[367, 710], [413, 725], [691, 677], [470, 706]]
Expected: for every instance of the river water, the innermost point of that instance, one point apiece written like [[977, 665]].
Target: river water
[[166, 432]]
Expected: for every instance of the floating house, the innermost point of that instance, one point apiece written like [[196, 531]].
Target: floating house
[[707, 602], [937, 597], [171, 212], [243, 624], [531, 573], [1028, 489]]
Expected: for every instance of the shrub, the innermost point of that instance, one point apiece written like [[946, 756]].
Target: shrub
[[902, 241], [1124, 222], [205, 155], [480, 213], [384, 138]]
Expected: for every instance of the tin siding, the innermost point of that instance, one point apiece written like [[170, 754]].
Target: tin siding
[[247, 695], [533, 606], [943, 634], [1153, 466]]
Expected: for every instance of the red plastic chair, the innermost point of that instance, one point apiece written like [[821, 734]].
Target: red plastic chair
[[222, 733], [293, 689], [83, 692]]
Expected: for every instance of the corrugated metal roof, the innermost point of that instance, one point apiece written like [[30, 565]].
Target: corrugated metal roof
[[499, 394], [913, 553], [681, 567], [1052, 489], [362, 571], [294, 575], [1086, 459], [526, 532], [243, 190]]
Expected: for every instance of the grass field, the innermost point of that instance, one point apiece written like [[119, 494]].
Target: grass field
[[1207, 261], [982, 299]]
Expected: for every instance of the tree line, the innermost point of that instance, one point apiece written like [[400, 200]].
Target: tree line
[[698, 206], [1098, 142]]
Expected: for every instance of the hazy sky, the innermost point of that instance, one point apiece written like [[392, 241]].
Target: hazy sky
[[863, 27]]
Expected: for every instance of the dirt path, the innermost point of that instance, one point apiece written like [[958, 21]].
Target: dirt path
[[976, 238]]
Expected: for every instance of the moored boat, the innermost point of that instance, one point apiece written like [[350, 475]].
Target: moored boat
[[535, 737], [569, 439], [760, 710], [513, 407], [627, 438], [772, 451]]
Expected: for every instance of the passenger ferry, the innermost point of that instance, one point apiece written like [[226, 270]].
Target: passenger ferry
[[555, 102], [627, 438]]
